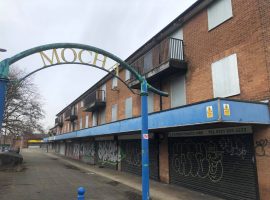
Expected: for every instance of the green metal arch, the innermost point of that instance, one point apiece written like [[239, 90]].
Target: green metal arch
[[4, 65]]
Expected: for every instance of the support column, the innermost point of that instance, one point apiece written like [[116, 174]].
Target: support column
[[3, 87], [145, 142], [163, 159]]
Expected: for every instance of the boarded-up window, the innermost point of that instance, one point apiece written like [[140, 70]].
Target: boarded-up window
[[82, 104], [94, 118], [114, 82], [127, 75], [218, 12], [178, 91], [225, 77], [147, 61], [150, 102], [128, 107], [103, 94], [80, 123], [102, 116], [114, 112], [86, 121]]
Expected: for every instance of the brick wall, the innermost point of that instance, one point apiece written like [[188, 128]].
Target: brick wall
[[262, 151], [242, 34]]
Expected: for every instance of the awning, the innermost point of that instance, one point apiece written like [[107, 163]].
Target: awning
[[206, 112]]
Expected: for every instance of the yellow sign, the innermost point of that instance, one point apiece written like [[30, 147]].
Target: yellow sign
[[35, 141], [209, 111], [226, 109]]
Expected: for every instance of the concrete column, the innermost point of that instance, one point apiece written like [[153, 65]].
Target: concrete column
[[262, 153], [164, 159]]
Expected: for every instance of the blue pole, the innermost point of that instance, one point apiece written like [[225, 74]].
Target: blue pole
[[81, 192], [3, 87], [4, 70], [144, 141]]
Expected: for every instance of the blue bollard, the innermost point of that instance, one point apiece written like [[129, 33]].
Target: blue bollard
[[81, 192]]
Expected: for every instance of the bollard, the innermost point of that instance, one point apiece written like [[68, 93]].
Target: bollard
[[81, 192]]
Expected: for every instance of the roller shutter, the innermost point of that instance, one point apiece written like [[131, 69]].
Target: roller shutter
[[220, 165], [62, 148], [107, 153], [131, 157]]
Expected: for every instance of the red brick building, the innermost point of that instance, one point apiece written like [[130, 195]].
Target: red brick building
[[212, 133]]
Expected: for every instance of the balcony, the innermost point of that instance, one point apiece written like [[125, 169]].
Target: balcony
[[164, 59], [95, 101], [71, 114], [58, 122]]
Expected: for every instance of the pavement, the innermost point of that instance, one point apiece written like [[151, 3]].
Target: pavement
[[45, 176]]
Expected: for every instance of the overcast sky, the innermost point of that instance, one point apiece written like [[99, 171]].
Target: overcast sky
[[118, 26]]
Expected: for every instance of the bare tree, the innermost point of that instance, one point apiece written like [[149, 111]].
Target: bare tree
[[23, 109]]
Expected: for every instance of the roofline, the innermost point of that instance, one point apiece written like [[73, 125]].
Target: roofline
[[167, 30]]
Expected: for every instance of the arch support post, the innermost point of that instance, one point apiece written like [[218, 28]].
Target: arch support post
[[4, 70], [144, 141]]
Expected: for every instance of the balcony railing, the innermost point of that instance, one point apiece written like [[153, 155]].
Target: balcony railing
[[58, 122], [166, 58], [95, 100], [71, 114]]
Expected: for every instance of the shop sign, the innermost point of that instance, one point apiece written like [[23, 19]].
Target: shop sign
[[226, 109], [217, 131], [209, 111]]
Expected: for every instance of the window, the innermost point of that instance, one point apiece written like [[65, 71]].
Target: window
[[114, 112], [178, 91], [80, 123], [68, 128], [225, 77], [94, 117], [87, 121], [128, 75], [218, 12], [114, 82], [150, 102], [147, 61], [128, 107], [178, 34], [82, 104], [102, 116], [104, 92]]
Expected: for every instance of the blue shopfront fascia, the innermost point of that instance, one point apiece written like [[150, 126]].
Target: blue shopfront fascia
[[223, 111]]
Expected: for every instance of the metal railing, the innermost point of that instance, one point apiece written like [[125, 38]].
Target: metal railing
[[96, 96], [71, 111], [170, 48], [176, 49]]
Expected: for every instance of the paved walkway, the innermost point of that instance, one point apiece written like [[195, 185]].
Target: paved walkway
[[46, 176], [158, 190]]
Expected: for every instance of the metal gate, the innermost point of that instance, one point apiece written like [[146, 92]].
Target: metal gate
[[107, 153], [62, 148], [87, 152], [220, 165], [131, 157]]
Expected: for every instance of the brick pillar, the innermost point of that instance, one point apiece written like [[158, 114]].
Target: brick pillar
[[163, 159], [262, 152]]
